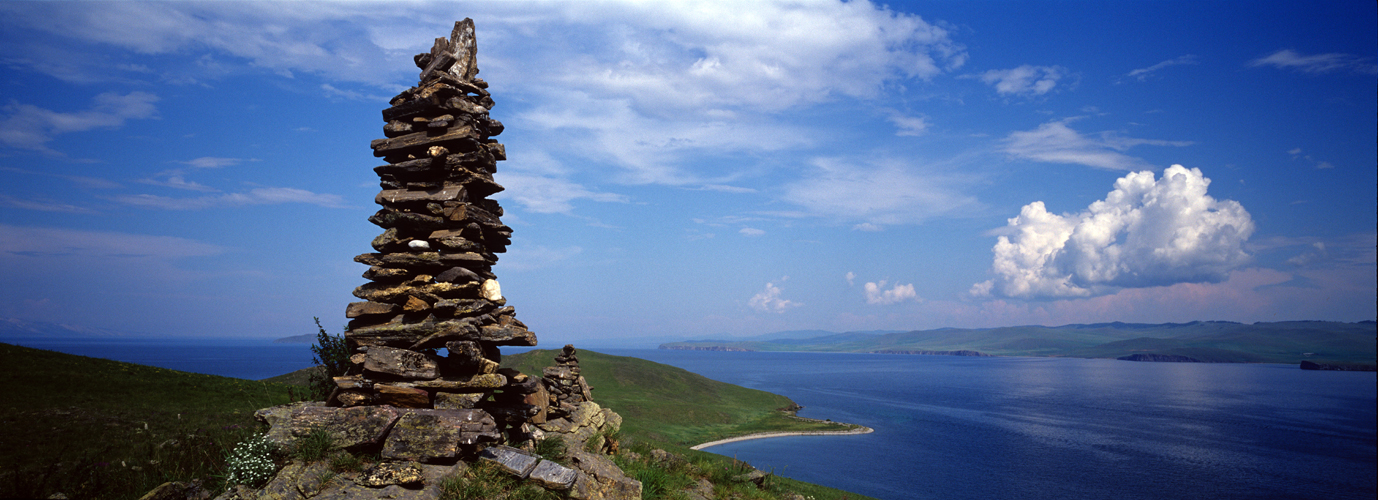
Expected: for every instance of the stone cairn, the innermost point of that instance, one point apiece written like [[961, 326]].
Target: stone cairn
[[432, 287], [432, 280]]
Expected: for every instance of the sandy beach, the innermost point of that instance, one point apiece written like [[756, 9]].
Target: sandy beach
[[764, 435]]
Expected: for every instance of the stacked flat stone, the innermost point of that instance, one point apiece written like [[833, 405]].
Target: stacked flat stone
[[565, 385], [432, 281]]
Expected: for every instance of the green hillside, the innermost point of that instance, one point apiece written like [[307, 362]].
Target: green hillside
[[93, 428], [1215, 341], [665, 404]]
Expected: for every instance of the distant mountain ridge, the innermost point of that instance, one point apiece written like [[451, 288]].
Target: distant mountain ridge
[[1207, 341]]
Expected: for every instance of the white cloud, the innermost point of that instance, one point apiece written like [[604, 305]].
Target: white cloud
[[257, 196], [1318, 63], [851, 278], [43, 205], [1025, 80], [176, 179], [549, 194], [1055, 142], [769, 300], [1318, 164], [1144, 233], [773, 55], [751, 231], [876, 293], [1317, 252], [530, 257], [1142, 74], [96, 246], [32, 127], [909, 126], [214, 162], [883, 192]]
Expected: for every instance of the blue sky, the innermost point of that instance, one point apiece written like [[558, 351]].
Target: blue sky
[[705, 169]]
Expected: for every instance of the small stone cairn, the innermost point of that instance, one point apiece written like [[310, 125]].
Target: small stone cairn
[[432, 287]]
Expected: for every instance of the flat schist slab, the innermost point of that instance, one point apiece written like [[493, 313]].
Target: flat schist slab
[[431, 435], [551, 475], [350, 427], [421, 140], [514, 461], [447, 193], [400, 362]]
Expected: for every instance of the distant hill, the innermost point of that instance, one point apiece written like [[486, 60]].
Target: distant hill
[[668, 404], [306, 338], [1210, 341], [14, 328]]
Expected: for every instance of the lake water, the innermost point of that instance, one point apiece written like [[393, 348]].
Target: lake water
[[1056, 428], [955, 427], [252, 359]]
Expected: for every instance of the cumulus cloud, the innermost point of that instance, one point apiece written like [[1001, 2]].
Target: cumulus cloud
[[1026, 80], [769, 300], [1145, 233], [1318, 63], [1055, 142], [1142, 74], [31, 127], [876, 293]]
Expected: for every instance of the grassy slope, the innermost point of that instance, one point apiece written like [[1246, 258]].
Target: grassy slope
[[670, 405], [1282, 342], [93, 428]]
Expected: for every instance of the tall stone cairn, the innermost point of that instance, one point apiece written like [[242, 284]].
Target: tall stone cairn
[[432, 284]]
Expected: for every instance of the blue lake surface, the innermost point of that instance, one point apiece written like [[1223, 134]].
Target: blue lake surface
[[1057, 428], [252, 359], [956, 427]]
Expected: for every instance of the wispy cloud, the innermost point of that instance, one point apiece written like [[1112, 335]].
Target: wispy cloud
[[1142, 74], [1318, 63], [878, 192], [751, 231], [214, 162], [909, 126], [31, 127], [258, 196], [43, 205], [1055, 142], [46, 242]]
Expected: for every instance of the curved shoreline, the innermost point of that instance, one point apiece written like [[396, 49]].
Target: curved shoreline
[[763, 435]]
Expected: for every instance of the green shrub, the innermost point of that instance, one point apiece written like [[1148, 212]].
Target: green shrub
[[251, 462], [314, 446], [551, 447], [330, 352]]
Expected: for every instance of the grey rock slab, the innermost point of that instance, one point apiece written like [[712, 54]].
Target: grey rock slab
[[430, 435], [553, 476], [514, 461], [350, 427], [400, 362]]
